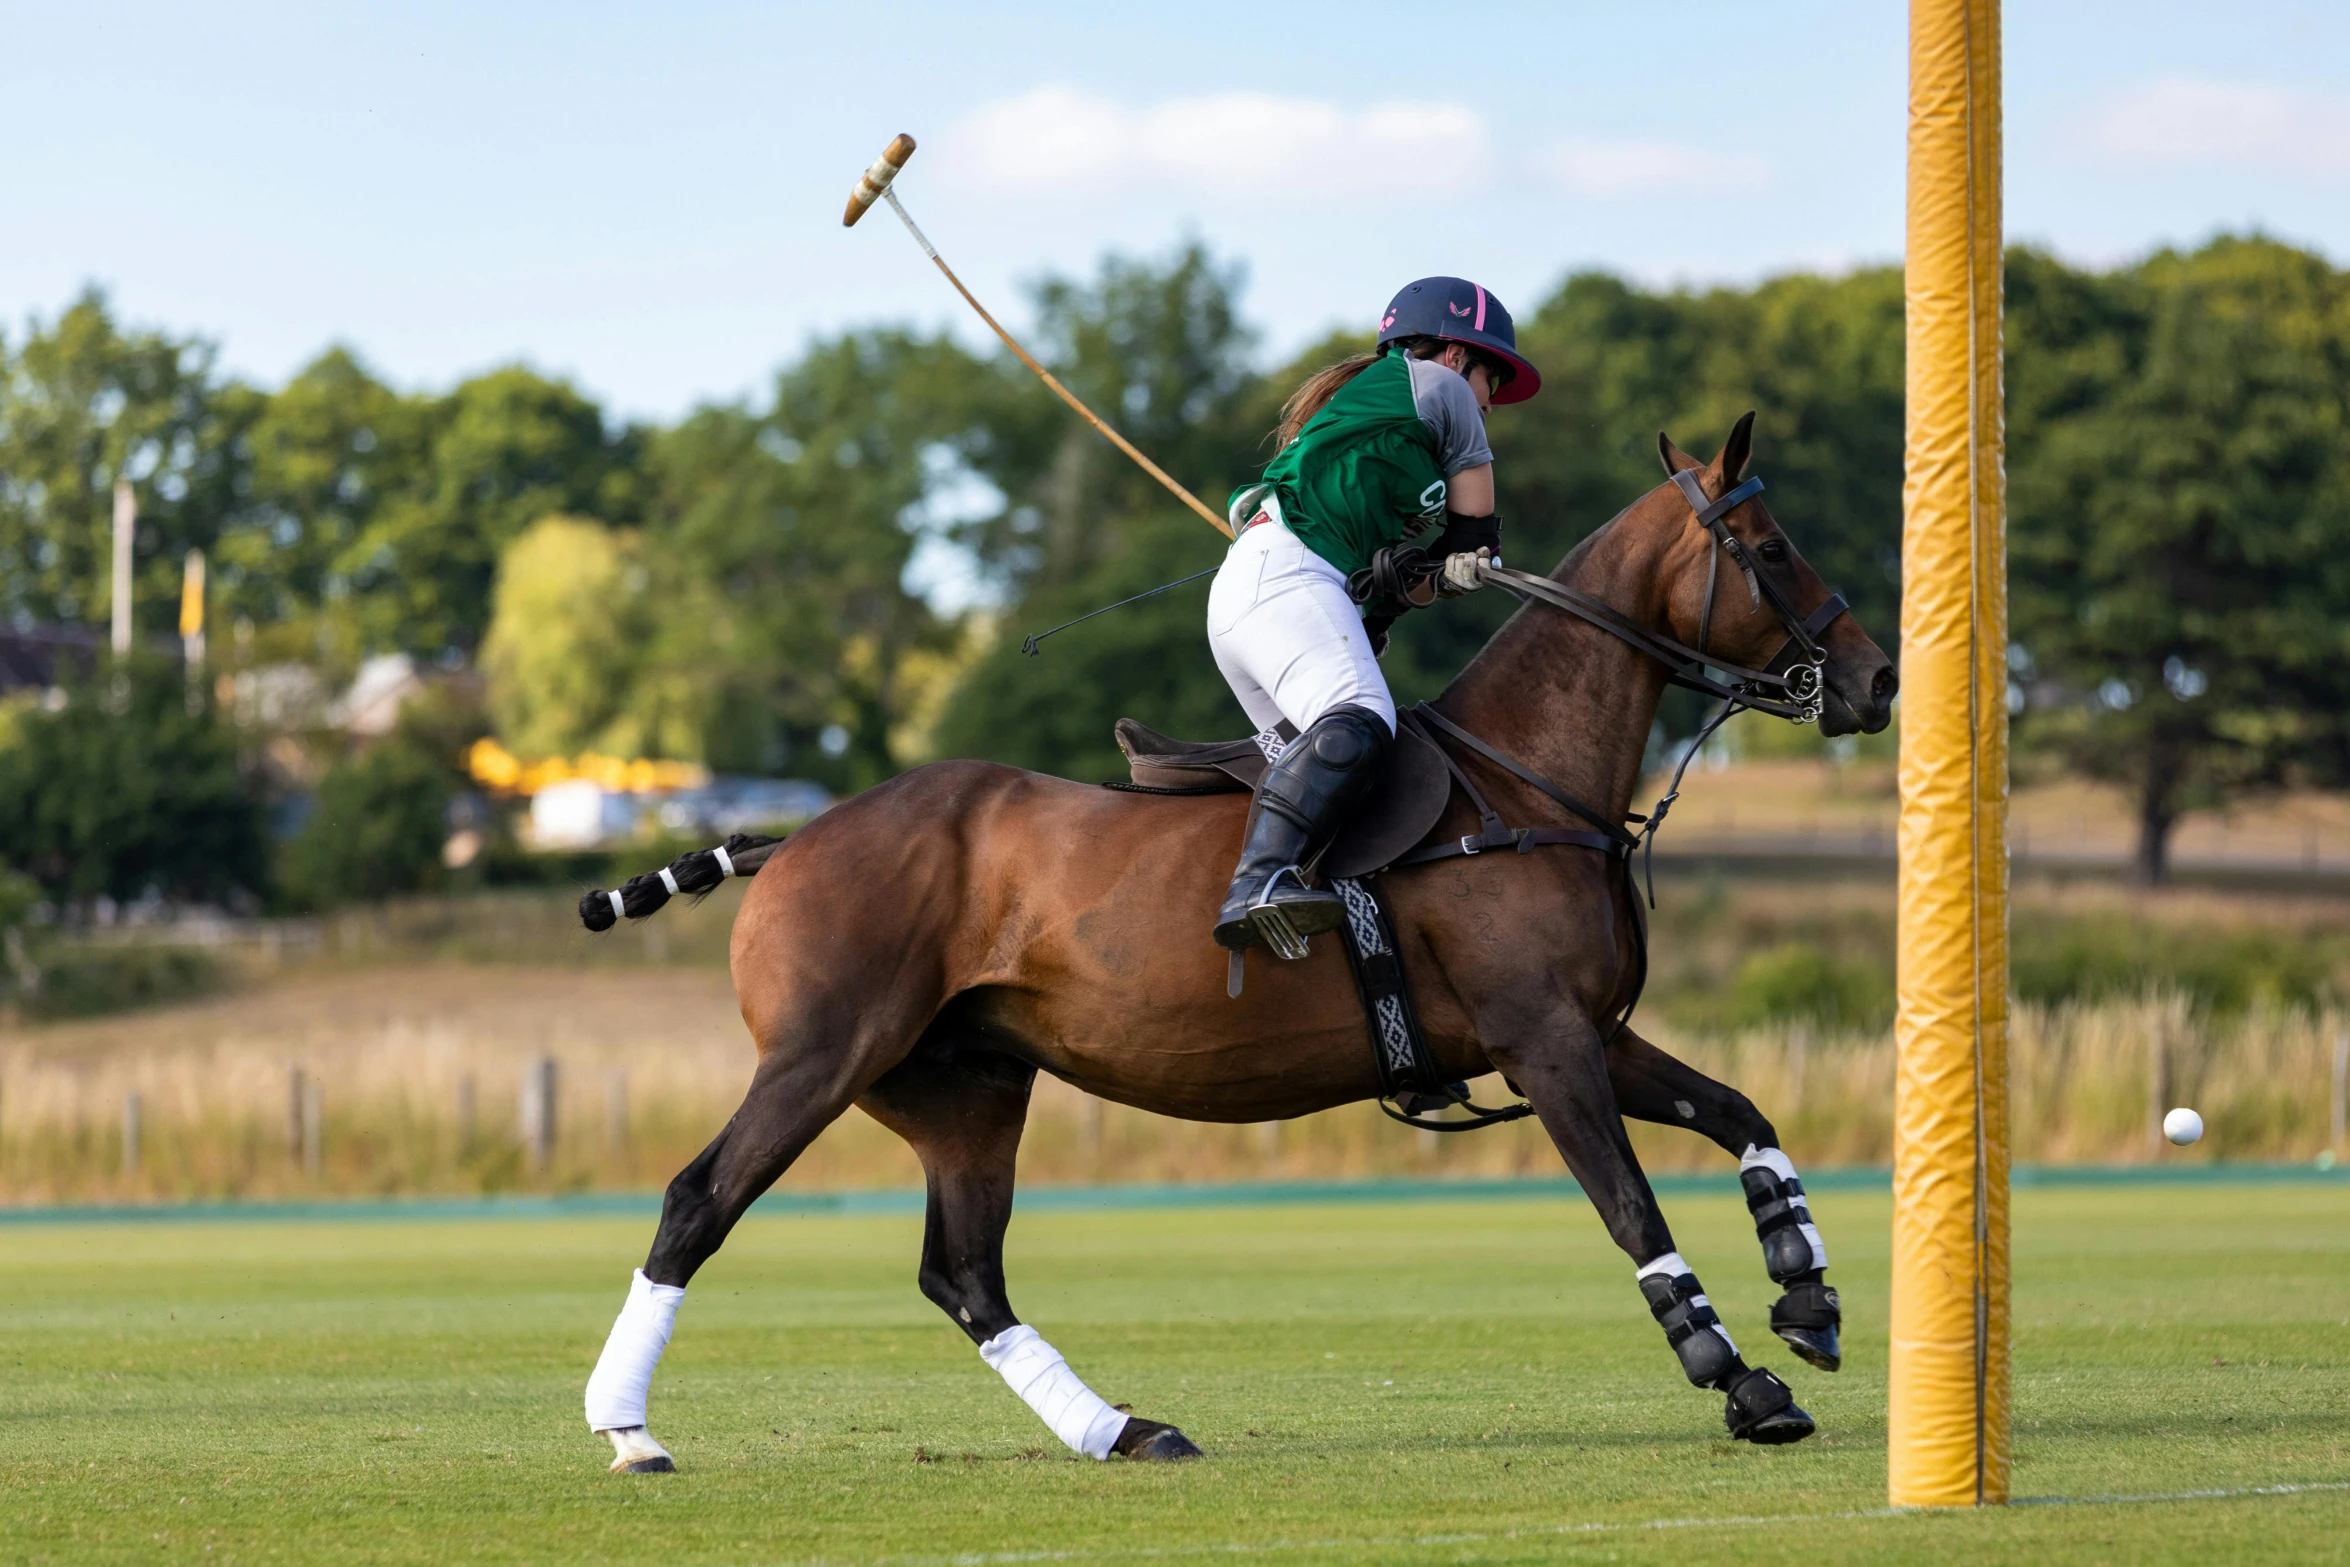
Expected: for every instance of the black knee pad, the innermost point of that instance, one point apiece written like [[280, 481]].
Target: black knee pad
[[1780, 1213], [1691, 1327], [1324, 772]]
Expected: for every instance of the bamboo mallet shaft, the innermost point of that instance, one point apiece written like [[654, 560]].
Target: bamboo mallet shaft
[[874, 185]]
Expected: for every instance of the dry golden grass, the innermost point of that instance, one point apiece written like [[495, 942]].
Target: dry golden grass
[[651, 1060], [1762, 801]]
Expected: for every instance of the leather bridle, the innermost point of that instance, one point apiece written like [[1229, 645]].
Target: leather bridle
[[1788, 686]]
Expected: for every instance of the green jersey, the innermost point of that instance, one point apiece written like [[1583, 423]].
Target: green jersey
[[1370, 469]]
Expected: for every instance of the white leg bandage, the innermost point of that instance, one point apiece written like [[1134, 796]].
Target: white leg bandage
[[1783, 1168], [1035, 1370], [616, 1393]]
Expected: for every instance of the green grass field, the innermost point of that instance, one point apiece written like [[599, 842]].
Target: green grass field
[[1373, 1383]]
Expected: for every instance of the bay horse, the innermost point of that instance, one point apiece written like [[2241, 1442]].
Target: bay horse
[[924, 949]]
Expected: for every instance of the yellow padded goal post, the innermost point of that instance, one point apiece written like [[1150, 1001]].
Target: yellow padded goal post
[[1948, 1433]]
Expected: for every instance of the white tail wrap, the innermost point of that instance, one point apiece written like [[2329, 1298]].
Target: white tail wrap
[[1035, 1370], [669, 881], [724, 864], [619, 908], [624, 1372]]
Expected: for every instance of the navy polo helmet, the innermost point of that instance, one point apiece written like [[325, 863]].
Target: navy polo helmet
[[1459, 311]]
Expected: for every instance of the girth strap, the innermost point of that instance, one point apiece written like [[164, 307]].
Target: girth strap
[[1523, 840], [1398, 1046], [1616, 837]]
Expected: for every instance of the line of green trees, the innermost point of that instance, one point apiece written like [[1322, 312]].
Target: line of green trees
[[743, 587]]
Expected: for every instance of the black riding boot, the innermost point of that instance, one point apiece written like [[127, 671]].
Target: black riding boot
[[1300, 806]]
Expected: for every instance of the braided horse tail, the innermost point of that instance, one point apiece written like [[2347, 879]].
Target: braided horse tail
[[698, 873]]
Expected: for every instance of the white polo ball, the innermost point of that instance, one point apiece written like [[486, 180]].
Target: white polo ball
[[2183, 1126]]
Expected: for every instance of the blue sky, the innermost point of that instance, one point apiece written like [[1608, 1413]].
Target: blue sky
[[647, 199]]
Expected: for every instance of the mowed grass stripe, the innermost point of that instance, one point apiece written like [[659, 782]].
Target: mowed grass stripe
[[1418, 1381], [1436, 1542]]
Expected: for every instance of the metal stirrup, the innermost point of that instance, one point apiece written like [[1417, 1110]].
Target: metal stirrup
[[1272, 922]]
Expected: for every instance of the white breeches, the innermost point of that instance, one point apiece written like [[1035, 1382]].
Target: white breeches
[[1286, 636]]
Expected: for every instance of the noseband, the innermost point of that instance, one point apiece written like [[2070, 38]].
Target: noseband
[[1788, 686]]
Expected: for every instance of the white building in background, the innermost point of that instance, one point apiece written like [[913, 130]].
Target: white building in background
[[729, 805], [372, 705], [580, 813]]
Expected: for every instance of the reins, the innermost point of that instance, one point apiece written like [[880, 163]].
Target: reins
[[1798, 689], [1793, 694]]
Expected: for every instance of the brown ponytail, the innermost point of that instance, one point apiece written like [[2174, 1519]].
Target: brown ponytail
[[1314, 395]]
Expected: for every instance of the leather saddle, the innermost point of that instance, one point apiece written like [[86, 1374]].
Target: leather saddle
[[1396, 817]]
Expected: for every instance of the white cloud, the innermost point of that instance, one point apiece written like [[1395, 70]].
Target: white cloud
[[2237, 125], [1294, 150], [1636, 168]]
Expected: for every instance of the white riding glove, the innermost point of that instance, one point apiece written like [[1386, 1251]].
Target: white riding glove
[[1463, 573]]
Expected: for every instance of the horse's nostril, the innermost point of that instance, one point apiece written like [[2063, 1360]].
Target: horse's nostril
[[1882, 688]]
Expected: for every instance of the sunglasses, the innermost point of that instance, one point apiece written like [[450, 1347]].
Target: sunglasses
[[1497, 374]]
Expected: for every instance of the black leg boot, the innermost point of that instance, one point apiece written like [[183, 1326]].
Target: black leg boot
[[1300, 806], [1758, 1407], [1808, 1316]]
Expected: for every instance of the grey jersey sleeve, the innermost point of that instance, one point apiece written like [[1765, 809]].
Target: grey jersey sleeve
[[1449, 408]]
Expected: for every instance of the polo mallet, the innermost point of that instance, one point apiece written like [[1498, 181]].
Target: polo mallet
[[875, 185]]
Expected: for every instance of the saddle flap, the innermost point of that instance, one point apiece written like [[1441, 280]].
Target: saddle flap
[[1403, 807]]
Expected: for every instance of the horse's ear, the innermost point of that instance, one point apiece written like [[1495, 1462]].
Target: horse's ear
[[1675, 459], [1737, 449]]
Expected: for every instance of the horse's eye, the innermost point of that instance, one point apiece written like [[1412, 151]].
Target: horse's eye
[[1772, 550]]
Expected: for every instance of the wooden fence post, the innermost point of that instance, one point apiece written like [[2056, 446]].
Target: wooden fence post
[[616, 1110], [294, 1107], [468, 1116], [538, 1111], [2341, 1126]]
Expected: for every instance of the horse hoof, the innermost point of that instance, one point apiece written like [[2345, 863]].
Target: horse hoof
[[1789, 1425], [1808, 1317], [1150, 1442], [1816, 1346], [1762, 1409], [634, 1452]]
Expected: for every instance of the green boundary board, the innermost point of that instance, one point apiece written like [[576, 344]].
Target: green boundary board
[[1100, 1199]]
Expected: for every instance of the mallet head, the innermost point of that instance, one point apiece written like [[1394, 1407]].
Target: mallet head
[[876, 179]]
